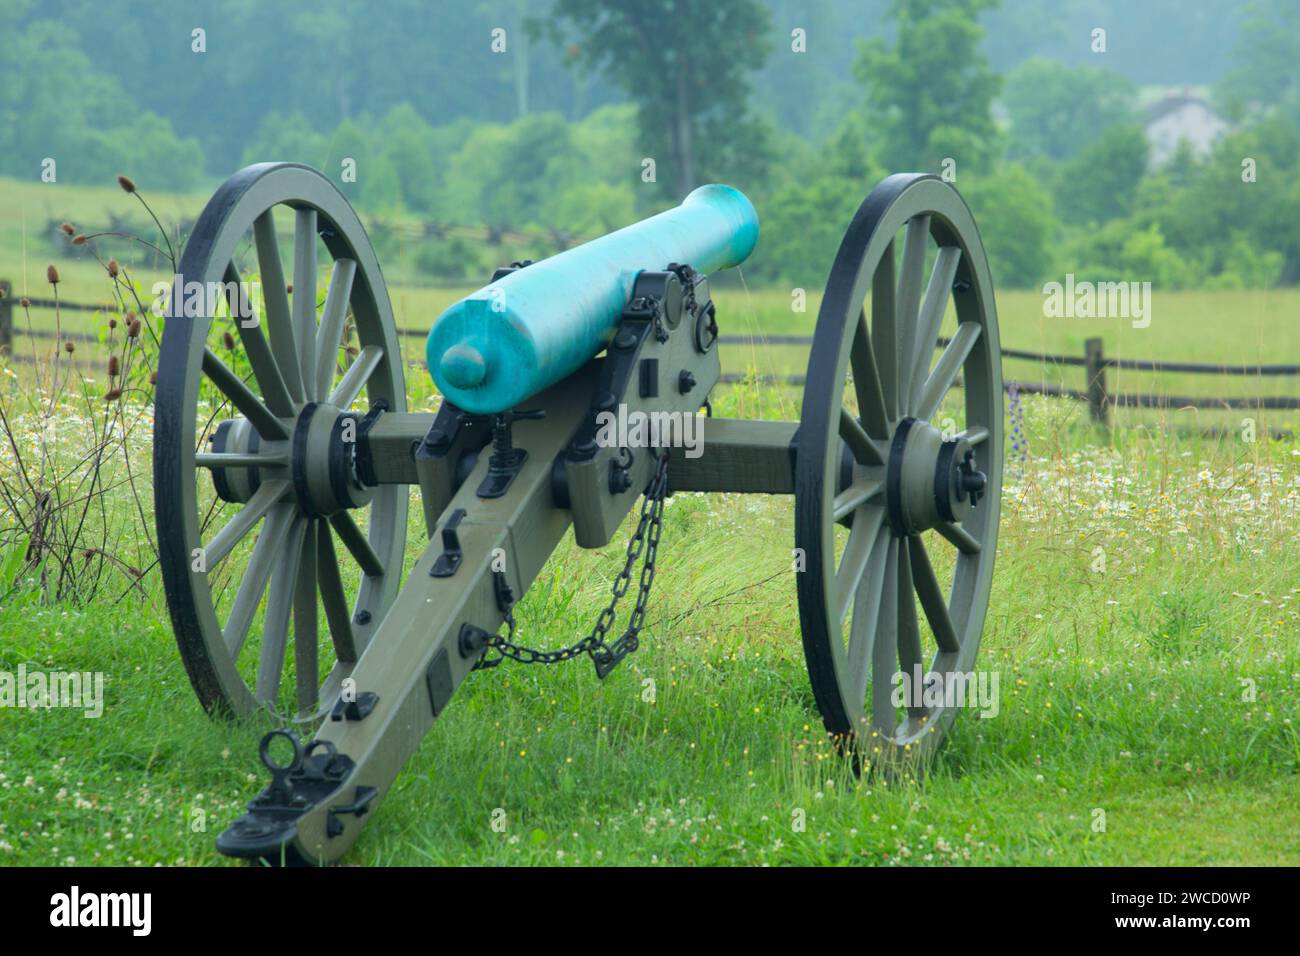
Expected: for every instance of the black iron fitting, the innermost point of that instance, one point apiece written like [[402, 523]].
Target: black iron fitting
[[506, 460], [448, 562]]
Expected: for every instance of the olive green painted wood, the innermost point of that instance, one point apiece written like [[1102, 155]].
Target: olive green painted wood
[[426, 618], [738, 456], [270, 588], [858, 603]]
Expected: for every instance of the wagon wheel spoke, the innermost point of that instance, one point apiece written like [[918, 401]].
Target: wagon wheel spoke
[[333, 596], [279, 605], [858, 493], [932, 311], [946, 369], [959, 536], [976, 435], [854, 560], [866, 615], [333, 314], [306, 631], [866, 381], [860, 444], [933, 602], [270, 544], [915, 242], [275, 296], [355, 378], [884, 330], [884, 650], [910, 661], [265, 368], [242, 397], [304, 297], [355, 540], [234, 530]]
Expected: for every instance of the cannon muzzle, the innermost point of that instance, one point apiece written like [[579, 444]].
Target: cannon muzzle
[[509, 340]]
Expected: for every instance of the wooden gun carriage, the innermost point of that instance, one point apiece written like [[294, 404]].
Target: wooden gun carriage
[[282, 471]]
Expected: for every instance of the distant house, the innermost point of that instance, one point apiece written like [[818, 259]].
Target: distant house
[[1178, 117]]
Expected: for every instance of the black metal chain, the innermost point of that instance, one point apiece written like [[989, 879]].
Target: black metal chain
[[604, 655]]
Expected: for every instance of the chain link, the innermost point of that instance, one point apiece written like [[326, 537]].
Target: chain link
[[644, 540]]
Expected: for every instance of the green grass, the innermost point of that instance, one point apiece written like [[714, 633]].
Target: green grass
[[1144, 627], [1121, 693]]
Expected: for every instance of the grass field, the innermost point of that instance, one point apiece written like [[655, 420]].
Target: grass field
[[1149, 701]]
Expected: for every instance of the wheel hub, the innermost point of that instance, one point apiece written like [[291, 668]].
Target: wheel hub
[[929, 479], [322, 460]]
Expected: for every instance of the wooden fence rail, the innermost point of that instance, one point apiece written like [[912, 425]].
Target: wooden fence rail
[[1101, 401]]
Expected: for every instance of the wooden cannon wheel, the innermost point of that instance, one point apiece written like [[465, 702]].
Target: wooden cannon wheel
[[250, 470], [894, 492]]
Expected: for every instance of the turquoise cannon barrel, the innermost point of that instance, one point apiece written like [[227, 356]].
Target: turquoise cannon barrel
[[511, 339]]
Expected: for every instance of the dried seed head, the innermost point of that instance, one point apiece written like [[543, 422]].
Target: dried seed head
[[69, 346], [67, 227], [112, 395], [79, 239], [112, 366], [153, 378], [112, 268], [112, 323], [288, 287], [88, 553], [126, 184], [24, 302], [52, 274], [228, 341], [133, 330]]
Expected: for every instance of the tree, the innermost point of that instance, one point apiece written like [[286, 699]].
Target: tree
[[1100, 183], [1264, 60], [1057, 110], [1016, 224], [930, 94], [687, 64]]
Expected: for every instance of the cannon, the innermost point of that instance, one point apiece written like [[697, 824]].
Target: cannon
[[284, 453]]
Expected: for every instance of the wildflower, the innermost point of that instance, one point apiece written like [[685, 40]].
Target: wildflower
[[52, 274], [126, 184]]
